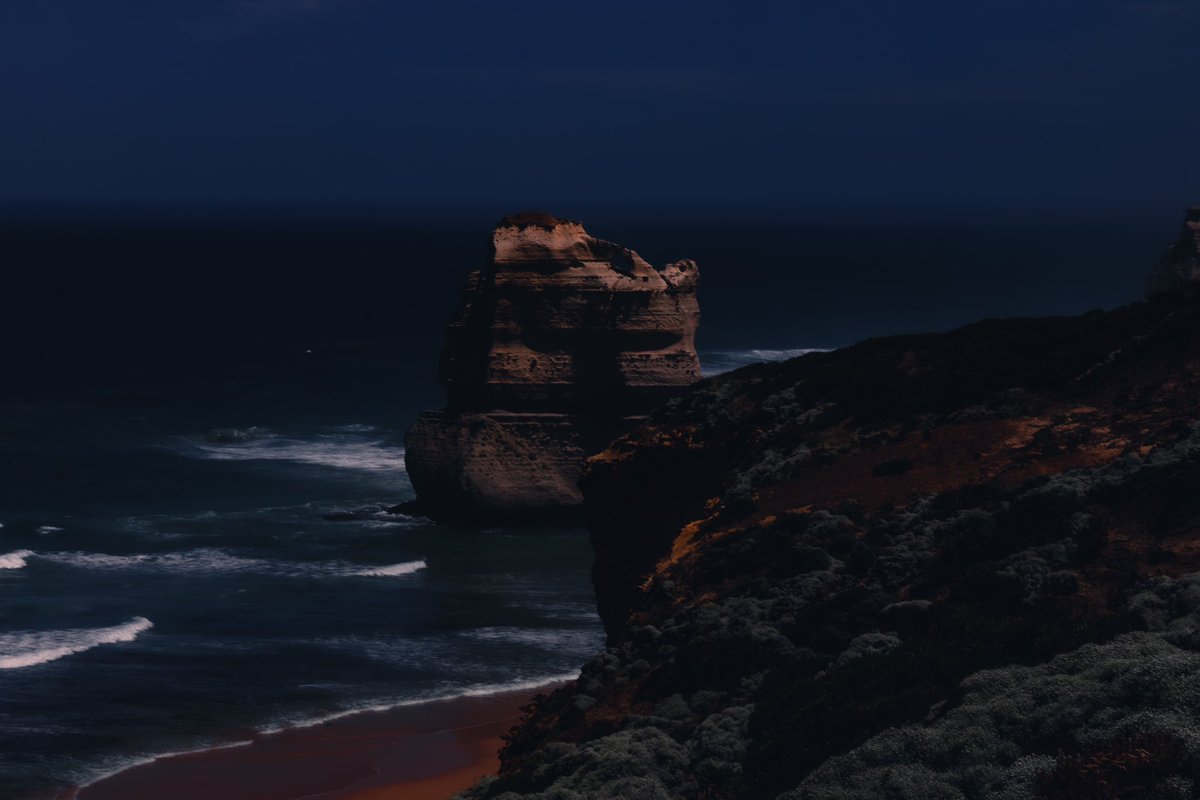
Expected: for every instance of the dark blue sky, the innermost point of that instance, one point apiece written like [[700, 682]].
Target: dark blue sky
[[792, 108]]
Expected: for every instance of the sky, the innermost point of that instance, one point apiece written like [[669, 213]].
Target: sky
[[697, 108]]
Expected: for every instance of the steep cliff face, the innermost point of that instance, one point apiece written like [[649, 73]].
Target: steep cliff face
[[562, 340], [962, 565], [1179, 268]]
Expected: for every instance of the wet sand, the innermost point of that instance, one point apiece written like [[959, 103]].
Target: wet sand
[[419, 752]]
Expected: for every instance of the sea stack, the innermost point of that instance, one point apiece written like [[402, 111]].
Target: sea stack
[[561, 343], [1179, 268]]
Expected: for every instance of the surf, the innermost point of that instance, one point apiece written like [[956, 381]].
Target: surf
[[30, 648], [342, 450], [216, 562], [15, 560], [717, 362], [392, 570]]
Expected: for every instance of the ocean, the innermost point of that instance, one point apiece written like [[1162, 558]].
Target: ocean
[[201, 429]]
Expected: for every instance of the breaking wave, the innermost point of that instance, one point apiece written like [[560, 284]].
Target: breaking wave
[[187, 562], [477, 690], [209, 561], [15, 560], [341, 450], [716, 362], [27, 649], [392, 570], [548, 638], [352, 428]]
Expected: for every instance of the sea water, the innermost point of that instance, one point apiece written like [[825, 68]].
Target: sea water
[[194, 590]]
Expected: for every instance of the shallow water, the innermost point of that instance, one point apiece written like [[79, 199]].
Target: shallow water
[[232, 604]]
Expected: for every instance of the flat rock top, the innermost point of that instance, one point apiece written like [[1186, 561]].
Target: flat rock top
[[543, 243]]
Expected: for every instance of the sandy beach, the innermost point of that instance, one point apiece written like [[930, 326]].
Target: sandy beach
[[420, 752]]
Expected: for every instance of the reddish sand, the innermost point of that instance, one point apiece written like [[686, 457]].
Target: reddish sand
[[421, 752]]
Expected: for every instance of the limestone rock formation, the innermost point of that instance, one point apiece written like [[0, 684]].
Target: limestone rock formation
[[561, 342], [1179, 268]]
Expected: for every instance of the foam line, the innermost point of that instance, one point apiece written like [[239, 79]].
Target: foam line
[[30, 648]]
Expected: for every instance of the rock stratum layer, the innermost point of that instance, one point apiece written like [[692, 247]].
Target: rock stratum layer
[[561, 343], [962, 565]]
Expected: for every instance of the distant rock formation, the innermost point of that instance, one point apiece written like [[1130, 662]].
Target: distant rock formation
[[1179, 268], [561, 342]]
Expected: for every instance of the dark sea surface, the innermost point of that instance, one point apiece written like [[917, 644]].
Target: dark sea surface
[[184, 405]]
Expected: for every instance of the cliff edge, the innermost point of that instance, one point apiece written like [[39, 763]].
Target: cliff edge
[[959, 565], [561, 343]]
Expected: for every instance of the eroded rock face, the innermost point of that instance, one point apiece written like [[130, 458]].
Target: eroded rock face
[[1179, 268], [561, 343], [1014, 613], [957, 565]]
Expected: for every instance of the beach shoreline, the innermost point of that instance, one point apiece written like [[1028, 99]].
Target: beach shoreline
[[420, 751]]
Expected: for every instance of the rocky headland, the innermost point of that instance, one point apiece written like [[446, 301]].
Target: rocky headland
[[958, 565], [561, 343]]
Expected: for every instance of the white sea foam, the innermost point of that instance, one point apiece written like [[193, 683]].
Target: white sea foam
[[479, 690], [212, 561], [549, 638], [364, 514], [48, 529], [341, 451], [29, 648], [783, 355], [110, 766], [205, 560], [117, 766], [392, 570], [14, 560], [716, 362], [352, 428]]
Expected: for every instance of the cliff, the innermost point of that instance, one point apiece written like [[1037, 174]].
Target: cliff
[[561, 343], [963, 565]]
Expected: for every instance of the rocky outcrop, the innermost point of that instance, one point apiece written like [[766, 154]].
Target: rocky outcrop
[[961, 565], [1179, 268], [561, 343]]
